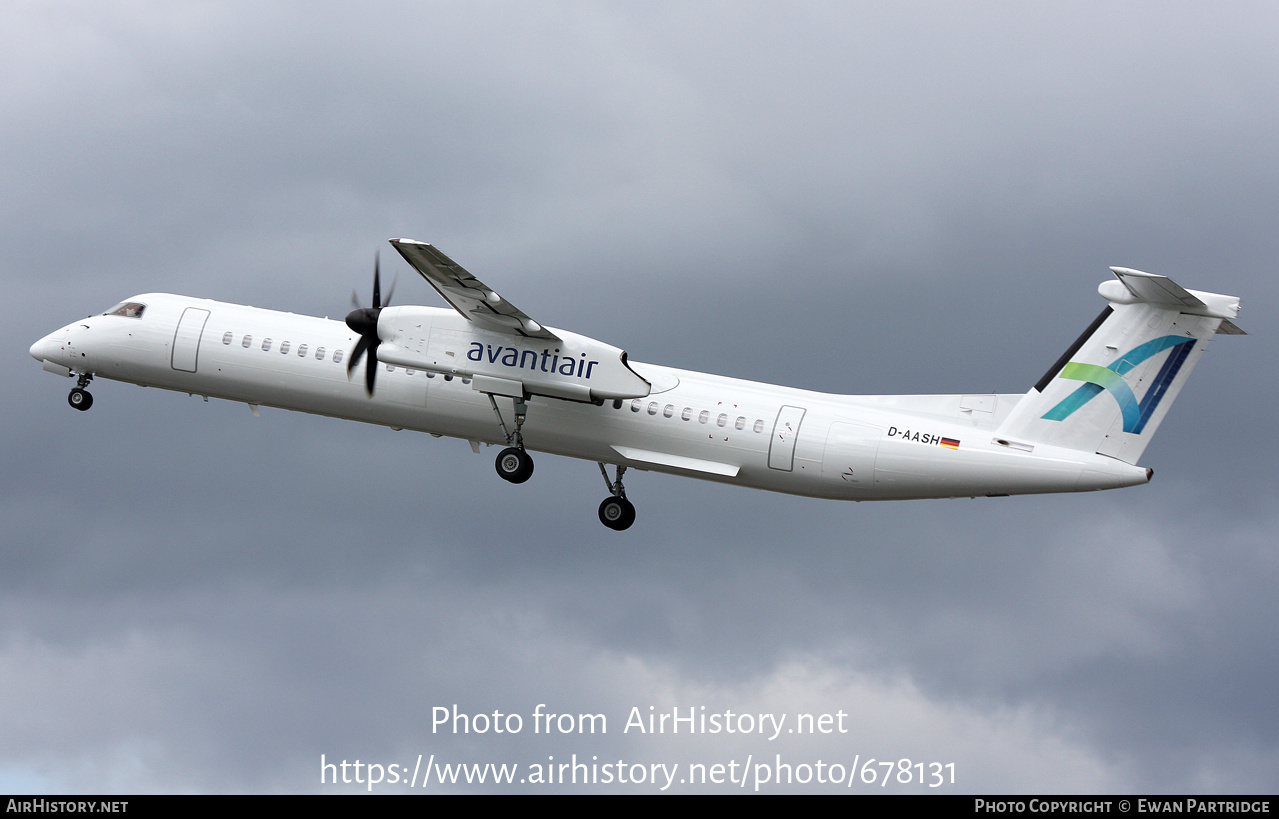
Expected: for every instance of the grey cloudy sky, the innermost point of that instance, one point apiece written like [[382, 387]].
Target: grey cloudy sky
[[887, 198]]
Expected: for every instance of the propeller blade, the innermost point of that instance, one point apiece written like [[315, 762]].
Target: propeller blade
[[356, 355], [370, 372], [363, 322], [391, 292]]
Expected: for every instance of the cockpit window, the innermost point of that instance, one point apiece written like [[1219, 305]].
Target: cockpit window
[[131, 309]]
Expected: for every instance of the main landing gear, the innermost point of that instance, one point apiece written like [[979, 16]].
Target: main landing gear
[[616, 512], [80, 398], [513, 464]]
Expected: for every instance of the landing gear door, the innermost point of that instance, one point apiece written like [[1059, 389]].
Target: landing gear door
[[781, 448], [186, 341]]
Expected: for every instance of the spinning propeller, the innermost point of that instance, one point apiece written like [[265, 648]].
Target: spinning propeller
[[363, 320]]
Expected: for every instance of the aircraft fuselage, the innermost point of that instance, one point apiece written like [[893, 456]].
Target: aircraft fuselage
[[693, 424]]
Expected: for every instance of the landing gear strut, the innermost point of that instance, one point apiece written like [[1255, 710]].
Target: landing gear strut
[[616, 512], [80, 398], [513, 464]]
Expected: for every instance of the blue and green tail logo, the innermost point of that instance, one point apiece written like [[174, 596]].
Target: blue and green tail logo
[[1111, 380]]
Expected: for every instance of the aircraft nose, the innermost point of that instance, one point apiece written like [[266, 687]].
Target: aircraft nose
[[37, 349], [46, 349]]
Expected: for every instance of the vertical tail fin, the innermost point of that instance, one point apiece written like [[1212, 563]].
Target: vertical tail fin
[[1111, 389]]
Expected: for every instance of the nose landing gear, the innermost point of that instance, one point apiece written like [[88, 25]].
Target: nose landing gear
[[80, 398]]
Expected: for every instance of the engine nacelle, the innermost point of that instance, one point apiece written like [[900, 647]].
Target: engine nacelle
[[571, 366]]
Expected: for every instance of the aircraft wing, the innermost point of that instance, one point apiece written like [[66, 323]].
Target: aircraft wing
[[468, 295]]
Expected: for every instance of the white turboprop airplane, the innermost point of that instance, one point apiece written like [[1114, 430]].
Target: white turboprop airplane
[[486, 372]]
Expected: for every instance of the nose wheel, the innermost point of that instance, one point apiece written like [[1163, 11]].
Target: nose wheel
[[80, 398]]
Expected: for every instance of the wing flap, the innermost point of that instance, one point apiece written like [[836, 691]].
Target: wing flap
[[676, 461]]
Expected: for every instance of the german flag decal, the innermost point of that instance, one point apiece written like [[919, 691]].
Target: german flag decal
[[950, 443]]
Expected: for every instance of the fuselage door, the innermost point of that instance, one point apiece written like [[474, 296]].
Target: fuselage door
[[186, 341], [849, 457], [781, 449]]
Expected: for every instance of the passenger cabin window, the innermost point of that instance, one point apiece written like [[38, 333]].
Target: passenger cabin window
[[129, 309], [722, 419], [301, 351], [741, 423], [226, 337], [337, 356], [248, 340], [636, 405], [668, 410], [284, 348], [266, 344], [319, 353], [759, 425], [703, 416]]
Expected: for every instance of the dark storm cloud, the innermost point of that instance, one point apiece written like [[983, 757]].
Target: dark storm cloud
[[904, 199]]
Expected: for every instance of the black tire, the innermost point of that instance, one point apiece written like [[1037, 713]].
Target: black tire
[[617, 513], [514, 465], [80, 399]]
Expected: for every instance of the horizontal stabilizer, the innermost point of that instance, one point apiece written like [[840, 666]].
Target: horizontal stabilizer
[[1135, 287], [1154, 289]]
